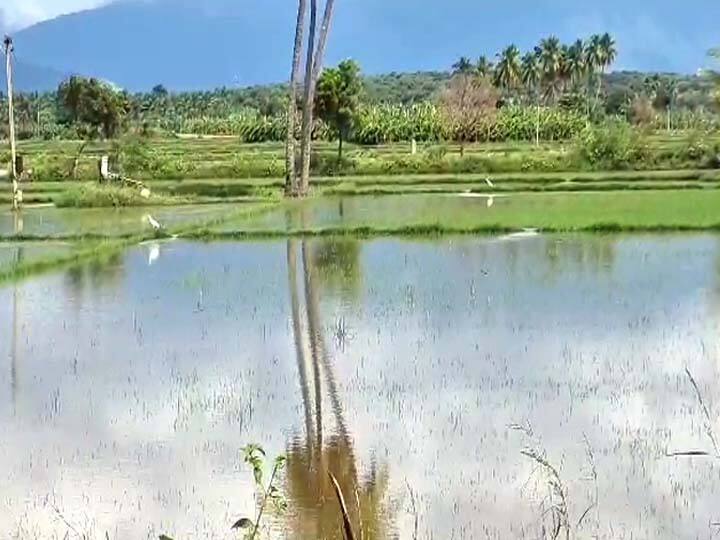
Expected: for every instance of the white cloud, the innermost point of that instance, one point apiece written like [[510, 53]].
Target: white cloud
[[20, 13]]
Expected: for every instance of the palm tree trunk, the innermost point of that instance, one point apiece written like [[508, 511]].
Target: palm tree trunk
[[290, 178], [537, 124], [340, 145], [599, 85], [308, 98], [316, 67]]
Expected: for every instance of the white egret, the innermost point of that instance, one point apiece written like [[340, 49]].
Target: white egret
[[153, 222], [489, 182]]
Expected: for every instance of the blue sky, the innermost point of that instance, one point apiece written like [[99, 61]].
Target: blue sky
[[19, 13], [652, 34]]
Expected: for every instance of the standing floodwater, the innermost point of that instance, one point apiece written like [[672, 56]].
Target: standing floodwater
[[418, 371]]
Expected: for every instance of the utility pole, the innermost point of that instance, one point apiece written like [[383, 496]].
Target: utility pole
[[8, 46]]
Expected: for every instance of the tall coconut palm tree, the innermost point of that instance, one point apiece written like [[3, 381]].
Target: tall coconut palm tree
[[551, 61], [608, 50], [564, 73], [290, 177], [531, 75], [463, 65], [314, 69], [607, 55], [484, 67], [508, 69], [593, 54], [576, 61]]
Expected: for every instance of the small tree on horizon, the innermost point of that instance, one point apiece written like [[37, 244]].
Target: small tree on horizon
[[337, 98], [468, 103]]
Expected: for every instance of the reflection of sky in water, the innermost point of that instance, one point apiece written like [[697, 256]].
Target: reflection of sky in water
[[136, 385]]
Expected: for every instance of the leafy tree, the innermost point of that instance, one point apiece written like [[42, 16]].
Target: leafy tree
[[96, 109], [337, 98], [159, 91]]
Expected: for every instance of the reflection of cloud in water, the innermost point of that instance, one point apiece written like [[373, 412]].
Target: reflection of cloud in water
[[131, 409]]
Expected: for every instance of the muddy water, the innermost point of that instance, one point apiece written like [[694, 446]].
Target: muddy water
[[422, 374]]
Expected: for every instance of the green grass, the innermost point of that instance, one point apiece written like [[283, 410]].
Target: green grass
[[226, 157], [421, 214]]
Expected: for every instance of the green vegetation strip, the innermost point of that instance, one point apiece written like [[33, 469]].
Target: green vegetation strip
[[94, 246], [631, 211], [685, 210], [435, 229]]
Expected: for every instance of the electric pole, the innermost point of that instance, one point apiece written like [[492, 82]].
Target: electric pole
[[8, 46]]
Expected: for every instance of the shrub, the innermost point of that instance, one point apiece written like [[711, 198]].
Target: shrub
[[135, 155], [437, 152], [96, 196], [641, 112], [611, 145], [330, 165]]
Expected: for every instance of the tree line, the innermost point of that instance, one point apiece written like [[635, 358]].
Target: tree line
[[571, 77]]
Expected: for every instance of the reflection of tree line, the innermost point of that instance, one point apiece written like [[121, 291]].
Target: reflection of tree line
[[98, 273], [309, 488]]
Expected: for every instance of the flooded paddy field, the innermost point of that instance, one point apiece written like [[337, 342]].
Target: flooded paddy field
[[51, 222], [450, 383]]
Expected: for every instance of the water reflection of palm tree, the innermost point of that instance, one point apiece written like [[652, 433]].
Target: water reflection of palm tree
[[310, 490], [19, 256]]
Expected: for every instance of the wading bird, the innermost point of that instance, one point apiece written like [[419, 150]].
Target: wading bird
[[153, 222]]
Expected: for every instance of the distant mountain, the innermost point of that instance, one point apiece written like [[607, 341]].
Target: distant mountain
[[31, 78], [188, 45]]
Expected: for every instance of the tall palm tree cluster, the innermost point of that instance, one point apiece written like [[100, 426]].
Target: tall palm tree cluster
[[549, 70]]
